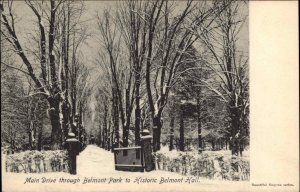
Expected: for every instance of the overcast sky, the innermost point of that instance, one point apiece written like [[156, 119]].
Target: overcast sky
[[89, 50], [25, 17]]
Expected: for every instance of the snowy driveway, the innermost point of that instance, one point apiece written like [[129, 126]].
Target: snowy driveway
[[95, 161]]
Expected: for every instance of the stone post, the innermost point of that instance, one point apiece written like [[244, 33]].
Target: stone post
[[73, 147], [147, 150]]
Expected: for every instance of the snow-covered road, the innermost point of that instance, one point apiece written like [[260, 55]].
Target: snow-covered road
[[95, 161]]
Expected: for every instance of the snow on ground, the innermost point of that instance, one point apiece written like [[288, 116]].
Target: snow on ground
[[98, 162], [97, 166], [226, 153]]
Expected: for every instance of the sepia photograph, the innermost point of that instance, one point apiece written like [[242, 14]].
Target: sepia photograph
[[150, 95]]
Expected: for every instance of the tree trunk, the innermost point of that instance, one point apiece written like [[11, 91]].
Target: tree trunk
[[67, 121], [54, 112], [30, 122], [137, 111], [115, 136], [73, 96], [157, 125], [200, 149], [111, 140], [108, 136], [127, 124], [100, 135], [105, 128], [13, 146], [128, 120], [80, 131], [213, 145], [125, 135], [241, 149], [30, 139], [171, 147], [128, 115], [235, 131], [181, 131], [66, 118], [39, 139]]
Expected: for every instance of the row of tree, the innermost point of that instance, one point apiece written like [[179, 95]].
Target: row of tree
[[22, 115], [163, 60], [161, 63], [56, 86]]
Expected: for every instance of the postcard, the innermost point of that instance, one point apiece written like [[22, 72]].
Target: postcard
[[149, 95]]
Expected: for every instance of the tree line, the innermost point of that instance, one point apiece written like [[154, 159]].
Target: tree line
[[55, 89], [177, 62], [174, 68]]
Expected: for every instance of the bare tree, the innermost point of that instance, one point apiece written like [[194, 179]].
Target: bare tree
[[230, 67], [51, 50], [111, 44], [156, 38], [134, 30], [172, 37]]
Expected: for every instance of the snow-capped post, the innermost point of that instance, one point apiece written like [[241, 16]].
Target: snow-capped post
[[74, 147], [147, 149]]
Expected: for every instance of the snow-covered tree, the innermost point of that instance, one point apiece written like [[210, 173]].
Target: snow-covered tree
[[224, 56], [55, 33]]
